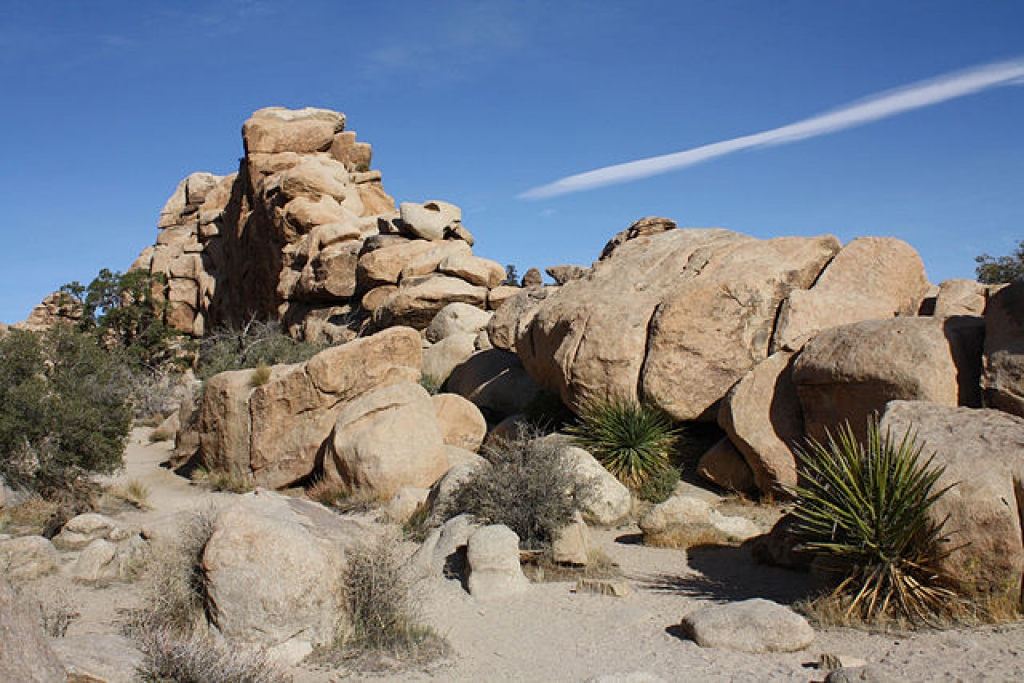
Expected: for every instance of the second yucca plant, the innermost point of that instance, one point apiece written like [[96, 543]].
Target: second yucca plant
[[867, 505], [632, 440]]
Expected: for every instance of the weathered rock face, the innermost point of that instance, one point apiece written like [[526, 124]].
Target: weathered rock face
[[983, 455], [386, 440], [54, 308], [495, 381], [271, 433], [850, 372], [674, 317], [287, 238], [1004, 350], [871, 277], [492, 554], [762, 416], [28, 557], [288, 600], [25, 654]]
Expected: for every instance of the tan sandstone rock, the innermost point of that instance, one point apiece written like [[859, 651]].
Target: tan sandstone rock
[[982, 452], [387, 439], [763, 418], [871, 277], [276, 129], [850, 372], [461, 422], [1004, 350]]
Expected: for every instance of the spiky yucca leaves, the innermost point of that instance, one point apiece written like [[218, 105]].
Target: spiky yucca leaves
[[866, 505], [632, 440]]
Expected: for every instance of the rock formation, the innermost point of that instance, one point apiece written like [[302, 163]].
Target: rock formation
[[304, 233]]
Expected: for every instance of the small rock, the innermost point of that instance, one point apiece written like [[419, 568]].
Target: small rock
[[492, 554], [82, 530], [405, 503], [443, 552], [98, 562], [755, 625], [870, 674], [98, 658], [829, 661], [571, 543]]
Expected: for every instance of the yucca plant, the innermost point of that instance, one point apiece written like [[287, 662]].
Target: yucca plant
[[632, 440], [866, 505]]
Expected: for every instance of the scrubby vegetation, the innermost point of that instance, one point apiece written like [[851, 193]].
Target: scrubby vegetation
[[64, 411], [384, 609], [632, 440], [864, 506], [994, 270], [530, 486], [254, 345]]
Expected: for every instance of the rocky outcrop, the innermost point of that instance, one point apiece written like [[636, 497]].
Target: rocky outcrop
[[763, 418], [1004, 350], [982, 452], [388, 439], [670, 316], [290, 237], [25, 654], [850, 372], [870, 278], [271, 434]]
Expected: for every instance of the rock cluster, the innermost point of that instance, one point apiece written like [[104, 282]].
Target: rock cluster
[[304, 233]]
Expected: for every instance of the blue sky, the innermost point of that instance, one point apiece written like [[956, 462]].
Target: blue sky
[[107, 105]]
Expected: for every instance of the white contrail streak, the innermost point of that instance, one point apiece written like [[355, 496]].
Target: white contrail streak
[[880, 106]]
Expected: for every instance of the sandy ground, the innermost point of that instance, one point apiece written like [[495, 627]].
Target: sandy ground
[[553, 634]]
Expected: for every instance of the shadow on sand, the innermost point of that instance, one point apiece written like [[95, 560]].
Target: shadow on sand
[[727, 574]]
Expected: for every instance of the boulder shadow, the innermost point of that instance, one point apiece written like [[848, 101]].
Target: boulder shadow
[[728, 574]]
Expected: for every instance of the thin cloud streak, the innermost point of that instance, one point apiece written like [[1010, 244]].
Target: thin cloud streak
[[889, 103]]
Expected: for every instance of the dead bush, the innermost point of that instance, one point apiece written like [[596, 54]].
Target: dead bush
[[195, 657], [531, 487]]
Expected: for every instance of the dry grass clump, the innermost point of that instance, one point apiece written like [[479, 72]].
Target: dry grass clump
[[385, 612], [229, 482], [159, 434], [260, 376], [341, 497], [57, 611], [133, 492], [540, 568], [29, 518], [196, 658]]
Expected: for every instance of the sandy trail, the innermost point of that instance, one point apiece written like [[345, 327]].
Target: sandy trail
[[553, 634]]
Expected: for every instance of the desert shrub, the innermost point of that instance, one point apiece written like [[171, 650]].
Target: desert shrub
[[384, 608], [632, 440], [530, 486], [256, 343], [260, 376], [64, 412], [865, 507]]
